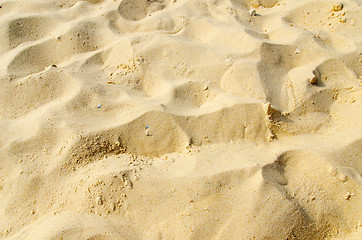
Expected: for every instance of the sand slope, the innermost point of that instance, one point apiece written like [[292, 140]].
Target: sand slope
[[180, 119]]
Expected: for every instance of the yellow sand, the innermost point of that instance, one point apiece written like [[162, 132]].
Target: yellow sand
[[180, 119]]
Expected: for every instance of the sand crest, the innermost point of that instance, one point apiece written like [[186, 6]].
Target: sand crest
[[180, 119]]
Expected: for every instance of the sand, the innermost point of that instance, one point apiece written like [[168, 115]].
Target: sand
[[180, 119]]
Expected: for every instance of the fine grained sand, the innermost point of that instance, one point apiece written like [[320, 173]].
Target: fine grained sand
[[180, 119]]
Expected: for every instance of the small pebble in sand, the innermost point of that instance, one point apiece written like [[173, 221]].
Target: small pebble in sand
[[99, 106], [297, 51], [252, 12], [337, 7], [99, 200], [348, 195], [342, 177], [313, 80]]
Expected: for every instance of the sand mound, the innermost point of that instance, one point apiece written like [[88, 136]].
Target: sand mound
[[181, 119]]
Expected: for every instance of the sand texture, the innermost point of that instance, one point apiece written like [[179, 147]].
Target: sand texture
[[180, 119]]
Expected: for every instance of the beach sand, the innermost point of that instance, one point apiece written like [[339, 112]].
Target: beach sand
[[180, 119]]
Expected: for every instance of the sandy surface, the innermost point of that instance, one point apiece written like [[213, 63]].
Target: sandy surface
[[180, 119]]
